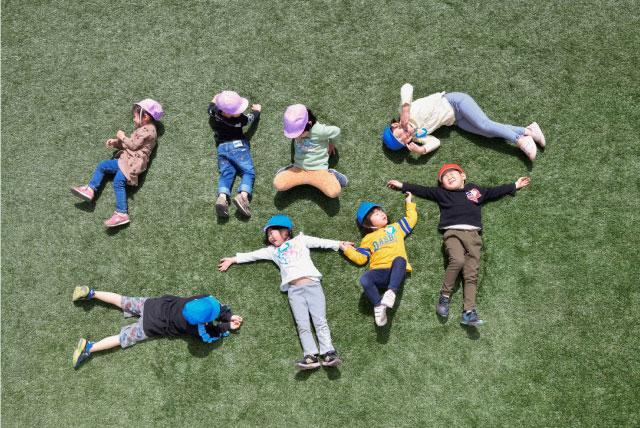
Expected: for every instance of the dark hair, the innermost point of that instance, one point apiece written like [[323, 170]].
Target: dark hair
[[366, 226], [312, 119], [394, 120], [266, 234]]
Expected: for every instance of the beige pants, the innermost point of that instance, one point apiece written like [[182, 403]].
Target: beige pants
[[322, 179], [463, 250]]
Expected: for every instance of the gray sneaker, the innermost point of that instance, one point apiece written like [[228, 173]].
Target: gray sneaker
[[242, 203], [222, 206], [342, 179], [442, 307]]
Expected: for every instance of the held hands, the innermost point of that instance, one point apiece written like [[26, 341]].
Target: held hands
[[345, 244], [256, 107], [225, 263], [522, 182], [236, 322], [394, 185]]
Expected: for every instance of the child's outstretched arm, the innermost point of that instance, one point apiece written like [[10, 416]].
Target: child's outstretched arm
[[359, 256], [225, 263], [421, 191], [408, 222]]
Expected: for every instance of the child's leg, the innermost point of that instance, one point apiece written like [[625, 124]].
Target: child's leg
[[455, 253], [244, 165], [108, 297], [473, 245], [318, 310], [105, 167], [372, 281], [120, 189], [300, 310], [398, 273], [227, 171], [106, 343], [471, 118]]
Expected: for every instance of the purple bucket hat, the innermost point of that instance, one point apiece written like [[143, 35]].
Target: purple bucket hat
[[152, 107], [296, 118], [231, 103]]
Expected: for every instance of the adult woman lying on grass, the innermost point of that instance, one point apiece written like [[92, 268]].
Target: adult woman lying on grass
[[419, 119]]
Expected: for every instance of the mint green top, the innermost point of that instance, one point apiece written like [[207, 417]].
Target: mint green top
[[312, 152]]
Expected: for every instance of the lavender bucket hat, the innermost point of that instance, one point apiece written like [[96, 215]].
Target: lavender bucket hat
[[152, 107], [231, 103], [295, 120]]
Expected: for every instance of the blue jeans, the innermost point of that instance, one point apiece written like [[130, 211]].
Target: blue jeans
[[119, 182], [234, 158], [471, 118], [374, 280]]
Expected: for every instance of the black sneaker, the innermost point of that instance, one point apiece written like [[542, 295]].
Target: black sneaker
[[331, 359], [308, 362], [442, 307], [471, 318]]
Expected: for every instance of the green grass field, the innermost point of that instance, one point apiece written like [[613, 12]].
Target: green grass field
[[559, 273]]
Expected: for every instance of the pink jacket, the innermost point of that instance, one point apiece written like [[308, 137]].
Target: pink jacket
[[133, 157]]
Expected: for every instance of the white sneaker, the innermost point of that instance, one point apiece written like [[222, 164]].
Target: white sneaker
[[528, 146], [380, 315], [388, 298], [537, 136]]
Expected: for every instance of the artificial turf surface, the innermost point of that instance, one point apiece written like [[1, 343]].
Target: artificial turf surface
[[559, 270]]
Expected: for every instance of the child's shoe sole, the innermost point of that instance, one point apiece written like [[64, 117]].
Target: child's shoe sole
[[242, 205], [75, 360], [80, 293], [81, 195]]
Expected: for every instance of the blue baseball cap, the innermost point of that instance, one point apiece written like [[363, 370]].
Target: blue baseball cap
[[278, 220], [201, 311], [390, 141], [364, 209]]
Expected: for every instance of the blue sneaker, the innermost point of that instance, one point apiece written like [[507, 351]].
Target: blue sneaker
[[342, 179], [471, 318], [81, 353], [442, 307]]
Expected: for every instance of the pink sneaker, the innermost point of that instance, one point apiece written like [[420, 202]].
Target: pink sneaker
[[537, 136], [83, 192], [528, 146], [117, 219]]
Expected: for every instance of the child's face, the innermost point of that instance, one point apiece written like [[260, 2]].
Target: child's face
[[378, 218], [404, 136], [139, 118], [453, 179], [277, 236]]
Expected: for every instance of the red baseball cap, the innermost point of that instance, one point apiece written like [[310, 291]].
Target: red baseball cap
[[447, 166]]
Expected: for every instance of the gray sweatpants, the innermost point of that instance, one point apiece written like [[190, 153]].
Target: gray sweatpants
[[308, 299]]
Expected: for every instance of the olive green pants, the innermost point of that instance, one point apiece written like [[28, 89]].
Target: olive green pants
[[463, 251]]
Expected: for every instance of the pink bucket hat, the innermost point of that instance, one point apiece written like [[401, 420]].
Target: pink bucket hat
[[152, 107], [230, 102], [295, 120]]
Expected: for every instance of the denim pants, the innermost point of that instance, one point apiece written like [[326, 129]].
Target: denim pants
[[471, 118], [234, 158], [119, 182], [308, 299], [374, 280]]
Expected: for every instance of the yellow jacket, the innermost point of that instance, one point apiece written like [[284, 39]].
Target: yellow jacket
[[380, 247]]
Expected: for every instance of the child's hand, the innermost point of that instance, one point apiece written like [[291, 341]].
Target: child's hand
[[408, 198], [345, 244], [415, 148], [225, 263], [256, 107], [235, 324], [120, 135], [394, 184], [111, 142], [237, 318], [522, 182]]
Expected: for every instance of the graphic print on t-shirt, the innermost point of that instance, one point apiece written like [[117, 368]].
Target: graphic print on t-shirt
[[473, 195]]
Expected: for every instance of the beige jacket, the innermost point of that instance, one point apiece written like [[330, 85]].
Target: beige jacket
[[133, 157], [430, 112]]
